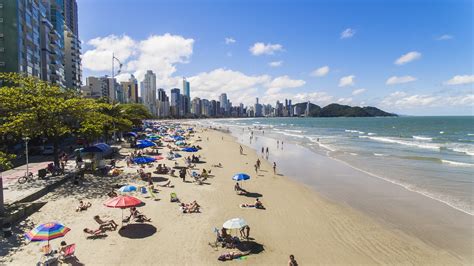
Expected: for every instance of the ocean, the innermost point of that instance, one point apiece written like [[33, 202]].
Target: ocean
[[433, 156]]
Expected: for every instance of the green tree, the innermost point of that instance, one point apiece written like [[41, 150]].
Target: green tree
[[36, 108]]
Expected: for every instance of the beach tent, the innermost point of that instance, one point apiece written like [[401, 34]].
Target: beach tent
[[190, 149], [128, 188], [143, 160], [98, 148]]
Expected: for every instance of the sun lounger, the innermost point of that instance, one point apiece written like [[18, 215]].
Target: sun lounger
[[93, 234], [68, 252]]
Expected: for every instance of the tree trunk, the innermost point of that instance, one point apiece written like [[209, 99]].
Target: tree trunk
[[2, 206], [56, 151]]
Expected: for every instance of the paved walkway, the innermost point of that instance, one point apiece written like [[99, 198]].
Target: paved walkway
[[13, 191]]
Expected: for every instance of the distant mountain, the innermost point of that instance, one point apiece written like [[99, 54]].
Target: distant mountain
[[338, 110]]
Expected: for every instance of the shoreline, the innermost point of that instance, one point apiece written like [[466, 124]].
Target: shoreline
[[296, 221], [444, 212]]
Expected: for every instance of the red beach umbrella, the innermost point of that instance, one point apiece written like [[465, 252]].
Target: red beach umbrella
[[159, 158], [122, 202]]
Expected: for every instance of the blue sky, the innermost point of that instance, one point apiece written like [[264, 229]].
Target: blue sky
[[431, 39]]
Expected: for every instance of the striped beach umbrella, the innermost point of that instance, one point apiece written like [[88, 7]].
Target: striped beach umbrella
[[47, 231]]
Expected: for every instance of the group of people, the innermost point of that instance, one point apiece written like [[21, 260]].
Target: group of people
[[192, 207]]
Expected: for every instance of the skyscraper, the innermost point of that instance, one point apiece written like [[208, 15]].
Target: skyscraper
[[163, 104], [175, 102], [148, 91], [223, 100], [187, 96], [35, 40], [130, 90], [72, 46]]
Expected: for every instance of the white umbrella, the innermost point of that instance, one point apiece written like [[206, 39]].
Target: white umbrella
[[235, 223]]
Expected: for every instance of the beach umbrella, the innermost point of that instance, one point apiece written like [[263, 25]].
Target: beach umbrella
[[241, 177], [141, 144], [148, 130], [177, 155], [128, 188], [190, 149], [180, 142], [122, 202], [47, 231], [158, 158], [179, 138], [235, 223], [143, 160]]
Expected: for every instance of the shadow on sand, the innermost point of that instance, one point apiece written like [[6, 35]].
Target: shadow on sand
[[252, 195], [135, 231], [252, 246]]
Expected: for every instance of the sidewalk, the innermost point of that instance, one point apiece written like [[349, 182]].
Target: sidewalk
[[13, 191]]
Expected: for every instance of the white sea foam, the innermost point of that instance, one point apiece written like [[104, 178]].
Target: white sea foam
[[470, 134], [380, 154], [463, 150], [354, 131], [294, 130], [371, 134], [289, 134], [441, 132], [404, 142], [458, 163], [353, 153], [422, 138]]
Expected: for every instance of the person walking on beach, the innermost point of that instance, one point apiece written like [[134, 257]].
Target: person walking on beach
[[274, 168], [182, 174], [278, 143], [292, 261], [241, 150], [282, 144], [258, 163], [267, 152], [256, 168], [263, 151]]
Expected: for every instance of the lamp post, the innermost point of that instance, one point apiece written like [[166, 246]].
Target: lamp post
[[26, 139], [113, 82]]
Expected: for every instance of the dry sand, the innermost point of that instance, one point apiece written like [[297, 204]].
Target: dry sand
[[296, 221]]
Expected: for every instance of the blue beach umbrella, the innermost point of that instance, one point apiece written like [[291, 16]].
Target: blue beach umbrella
[[128, 188], [190, 149], [241, 177], [177, 155], [179, 138], [141, 144], [143, 160], [180, 142]]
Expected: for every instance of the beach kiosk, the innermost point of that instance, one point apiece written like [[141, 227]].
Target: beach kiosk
[[94, 156]]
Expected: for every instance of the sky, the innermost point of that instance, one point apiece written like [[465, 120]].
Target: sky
[[408, 57]]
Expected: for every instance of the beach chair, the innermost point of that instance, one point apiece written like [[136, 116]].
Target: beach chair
[[67, 253], [173, 197]]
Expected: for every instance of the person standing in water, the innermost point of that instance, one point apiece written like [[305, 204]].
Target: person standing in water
[[274, 168], [241, 150]]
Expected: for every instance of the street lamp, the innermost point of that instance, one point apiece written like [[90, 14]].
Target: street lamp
[[113, 80], [26, 139]]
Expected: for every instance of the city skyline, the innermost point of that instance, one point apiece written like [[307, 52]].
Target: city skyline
[[412, 60]]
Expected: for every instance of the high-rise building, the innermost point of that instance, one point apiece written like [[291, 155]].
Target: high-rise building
[[163, 104], [34, 40], [72, 46], [223, 100], [187, 96], [148, 91], [175, 103], [196, 107], [130, 90], [101, 87]]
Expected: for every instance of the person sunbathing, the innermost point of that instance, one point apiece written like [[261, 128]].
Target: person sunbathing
[[106, 223], [239, 190], [83, 206], [112, 194], [138, 216], [258, 204], [232, 255], [190, 208], [94, 232], [219, 165]]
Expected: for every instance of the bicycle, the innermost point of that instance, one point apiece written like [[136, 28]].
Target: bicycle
[[26, 178]]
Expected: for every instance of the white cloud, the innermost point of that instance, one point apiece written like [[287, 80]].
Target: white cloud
[[348, 33], [358, 91], [100, 57], [159, 53], [260, 48], [229, 40], [347, 81], [398, 80], [283, 82], [408, 57], [345, 101], [400, 100], [460, 79], [444, 37], [320, 72], [275, 63]]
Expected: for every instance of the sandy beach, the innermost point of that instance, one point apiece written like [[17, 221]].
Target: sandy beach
[[296, 220]]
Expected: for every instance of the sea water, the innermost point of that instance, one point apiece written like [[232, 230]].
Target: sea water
[[433, 156]]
